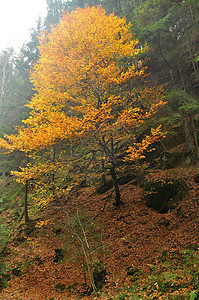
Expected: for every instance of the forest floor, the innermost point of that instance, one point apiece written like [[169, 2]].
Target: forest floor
[[147, 255]]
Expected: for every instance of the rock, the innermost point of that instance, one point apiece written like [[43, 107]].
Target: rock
[[60, 287], [104, 188], [131, 271], [101, 189], [30, 228], [57, 231], [3, 280], [196, 178], [17, 272], [38, 260], [59, 255], [99, 274], [164, 195], [125, 254], [125, 241], [164, 222], [126, 178], [169, 160]]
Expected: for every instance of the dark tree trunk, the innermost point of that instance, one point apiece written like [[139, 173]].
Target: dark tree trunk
[[52, 157], [26, 203], [116, 186], [114, 177], [103, 178], [111, 155], [195, 137]]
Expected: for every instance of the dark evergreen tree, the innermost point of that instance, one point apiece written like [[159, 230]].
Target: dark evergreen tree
[[6, 66], [29, 51], [16, 90], [55, 9], [72, 5], [170, 28]]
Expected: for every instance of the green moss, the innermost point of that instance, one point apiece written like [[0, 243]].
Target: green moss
[[60, 287], [164, 195]]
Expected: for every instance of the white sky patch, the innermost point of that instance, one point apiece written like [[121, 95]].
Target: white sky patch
[[17, 17]]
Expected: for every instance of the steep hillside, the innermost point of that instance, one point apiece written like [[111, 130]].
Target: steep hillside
[[146, 254]]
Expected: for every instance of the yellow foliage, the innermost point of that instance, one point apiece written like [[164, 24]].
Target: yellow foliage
[[137, 150], [43, 223], [82, 82]]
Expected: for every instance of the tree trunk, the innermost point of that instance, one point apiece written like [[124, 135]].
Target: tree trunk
[[116, 186], [103, 178], [193, 19], [195, 137], [52, 158], [119, 7], [181, 76], [192, 57], [3, 82], [111, 155], [26, 204], [114, 177], [189, 139]]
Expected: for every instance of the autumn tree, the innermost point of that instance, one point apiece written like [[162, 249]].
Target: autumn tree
[[86, 80]]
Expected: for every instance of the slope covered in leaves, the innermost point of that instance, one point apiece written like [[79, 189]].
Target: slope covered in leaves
[[147, 255]]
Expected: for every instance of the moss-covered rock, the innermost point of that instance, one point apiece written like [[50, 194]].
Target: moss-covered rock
[[196, 178], [164, 195], [17, 271], [99, 274], [60, 287], [3, 280], [132, 271], [170, 160], [59, 255], [103, 188]]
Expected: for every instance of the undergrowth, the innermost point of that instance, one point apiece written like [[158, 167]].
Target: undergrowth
[[173, 276]]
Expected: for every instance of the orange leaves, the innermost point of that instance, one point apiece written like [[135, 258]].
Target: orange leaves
[[99, 120], [149, 98], [137, 150], [130, 118], [152, 96], [33, 172], [5, 145], [79, 70], [85, 88], [43, 131], [82, 52]]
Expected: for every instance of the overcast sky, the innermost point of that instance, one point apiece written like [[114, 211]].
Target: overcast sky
[[17, 17]]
